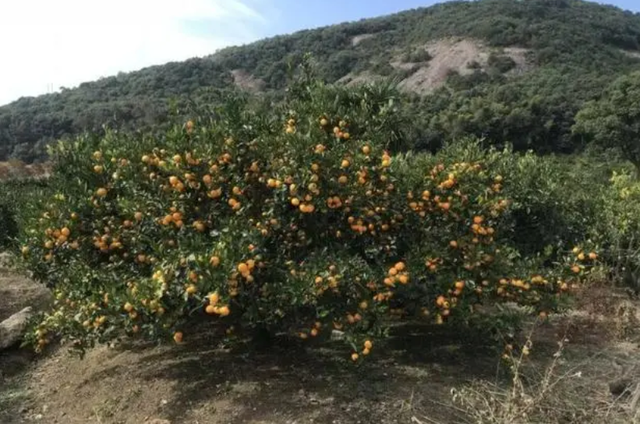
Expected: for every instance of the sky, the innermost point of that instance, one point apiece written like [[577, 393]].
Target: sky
[[48, 44]]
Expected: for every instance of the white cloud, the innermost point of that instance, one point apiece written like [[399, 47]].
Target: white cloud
[[65, 42]]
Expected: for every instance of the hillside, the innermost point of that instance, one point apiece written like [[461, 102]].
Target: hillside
[[508, 70]]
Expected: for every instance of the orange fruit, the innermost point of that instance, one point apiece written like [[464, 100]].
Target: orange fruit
[[224, 311], [128, 307], [368, 344], [400, 266], [214, 261], [366, 351], [354, 357], [453, 244], [101, 192], [211, 309], [177, 336], [403, 279], [314, 332], [593, 256], [243, 268]]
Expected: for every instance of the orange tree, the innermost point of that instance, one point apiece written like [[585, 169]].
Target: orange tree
[[295, 219]]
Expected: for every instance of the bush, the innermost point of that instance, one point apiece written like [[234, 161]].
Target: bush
[[297, 220]]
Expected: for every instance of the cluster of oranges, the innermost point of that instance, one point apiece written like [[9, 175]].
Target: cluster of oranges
[[279, 228]]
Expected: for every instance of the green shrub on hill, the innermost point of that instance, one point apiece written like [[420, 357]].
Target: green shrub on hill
[[304, 219]]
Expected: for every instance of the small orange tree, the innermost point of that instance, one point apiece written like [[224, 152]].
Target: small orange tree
[[295, 219]]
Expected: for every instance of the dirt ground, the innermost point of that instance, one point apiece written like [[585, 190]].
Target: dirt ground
[[408, 380]]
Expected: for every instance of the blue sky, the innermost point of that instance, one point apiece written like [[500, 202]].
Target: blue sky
[[49, 44]]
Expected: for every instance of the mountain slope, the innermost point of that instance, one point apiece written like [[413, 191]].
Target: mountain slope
[[529, 66]]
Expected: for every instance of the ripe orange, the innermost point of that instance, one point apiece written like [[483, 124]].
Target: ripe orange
[[177, 336], [128, 307], [101, 192], [453, 244], [354, 357], [314, 332], [368, 344], [138, 216], [403, 279], [345, 163], [593, 256], [366, 150], [223, 311], [214, 261], [243, 268], [400, 266]]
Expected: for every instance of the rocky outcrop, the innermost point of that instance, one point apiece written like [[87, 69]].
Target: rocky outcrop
[[12, 329]]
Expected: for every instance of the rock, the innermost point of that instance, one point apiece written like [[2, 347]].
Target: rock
[[13, 328], [5, 260]]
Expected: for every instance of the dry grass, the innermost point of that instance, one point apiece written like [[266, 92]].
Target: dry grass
[[593, 376]]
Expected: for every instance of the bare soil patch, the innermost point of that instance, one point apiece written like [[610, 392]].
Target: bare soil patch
[[407, 379]]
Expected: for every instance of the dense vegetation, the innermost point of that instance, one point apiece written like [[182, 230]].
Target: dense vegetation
[[297, 219], [575, 48]]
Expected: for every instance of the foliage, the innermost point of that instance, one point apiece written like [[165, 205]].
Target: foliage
[[575, 47], [17, 195], [294, 219], [614, 119]]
